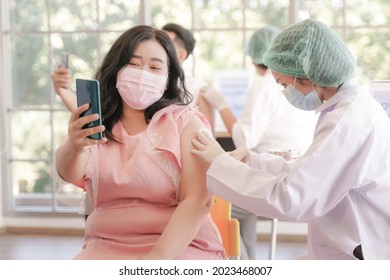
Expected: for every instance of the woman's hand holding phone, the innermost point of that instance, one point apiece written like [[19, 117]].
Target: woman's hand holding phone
[[78, 136], [74, 154]]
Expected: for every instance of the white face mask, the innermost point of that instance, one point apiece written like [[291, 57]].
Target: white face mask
[[308, 102], [139, 88]]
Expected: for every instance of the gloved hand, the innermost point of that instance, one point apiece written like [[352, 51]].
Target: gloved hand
[[206, 146], [240, 154], [214, 98]]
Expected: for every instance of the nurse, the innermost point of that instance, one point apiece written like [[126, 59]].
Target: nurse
[[268, 122], [341, 185]]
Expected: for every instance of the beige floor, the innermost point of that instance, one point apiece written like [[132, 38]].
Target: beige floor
[[54, 247]]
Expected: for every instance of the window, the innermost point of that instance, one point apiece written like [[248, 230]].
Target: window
[[364, 26], [34, 33]]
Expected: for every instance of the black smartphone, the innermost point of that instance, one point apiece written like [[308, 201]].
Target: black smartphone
[[88, 91], [65, 59]]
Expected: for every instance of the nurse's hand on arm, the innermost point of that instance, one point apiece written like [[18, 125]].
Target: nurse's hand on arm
[[206, 146], [209, 149], [72, 155]]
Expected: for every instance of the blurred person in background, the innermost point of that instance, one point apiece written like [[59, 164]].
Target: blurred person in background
[[184, 42], [62, 79]]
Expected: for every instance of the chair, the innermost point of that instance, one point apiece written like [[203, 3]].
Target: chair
[[229, 228], [273, 236]]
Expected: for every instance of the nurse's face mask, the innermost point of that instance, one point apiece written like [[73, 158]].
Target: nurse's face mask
[[140, 88], [308, 102]]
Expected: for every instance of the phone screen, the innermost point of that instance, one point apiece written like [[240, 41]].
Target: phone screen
[[88, 91]]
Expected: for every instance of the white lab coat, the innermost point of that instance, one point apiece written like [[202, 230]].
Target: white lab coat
[[340, 186], [269, 121]]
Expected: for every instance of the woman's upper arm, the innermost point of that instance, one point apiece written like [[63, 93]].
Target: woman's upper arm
[[193, 175]]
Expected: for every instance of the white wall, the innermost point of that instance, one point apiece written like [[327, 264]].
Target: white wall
[[1, 199], [2, 157], [2, 121]]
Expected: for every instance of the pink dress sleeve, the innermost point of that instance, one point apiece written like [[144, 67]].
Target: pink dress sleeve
[[167, 126], [164, 133]]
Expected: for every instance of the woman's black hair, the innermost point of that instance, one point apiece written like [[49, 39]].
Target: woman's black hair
[[119, 56]]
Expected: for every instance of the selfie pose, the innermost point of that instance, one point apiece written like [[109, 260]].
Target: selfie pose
[[341, 185], [147, 189]]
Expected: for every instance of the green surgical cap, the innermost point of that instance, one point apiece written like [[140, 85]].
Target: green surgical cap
[[259, 42], [310, 49]]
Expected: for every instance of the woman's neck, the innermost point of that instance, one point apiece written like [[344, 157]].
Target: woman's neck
[[329, 92], [133, 121]]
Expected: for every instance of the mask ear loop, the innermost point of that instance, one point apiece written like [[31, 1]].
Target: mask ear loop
[[314, 90], [295, 79]]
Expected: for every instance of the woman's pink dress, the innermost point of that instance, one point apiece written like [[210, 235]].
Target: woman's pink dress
[[134, 189]]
